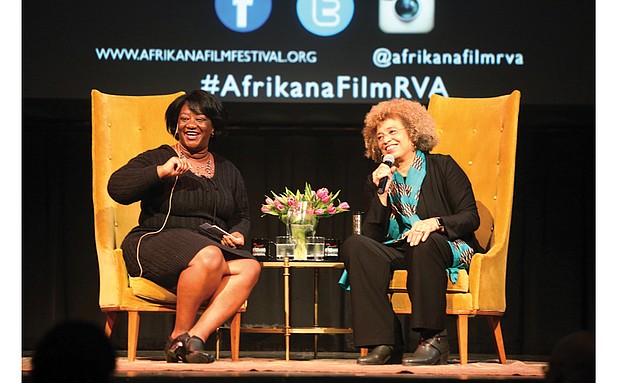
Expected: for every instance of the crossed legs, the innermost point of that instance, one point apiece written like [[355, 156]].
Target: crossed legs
[[223, 285]]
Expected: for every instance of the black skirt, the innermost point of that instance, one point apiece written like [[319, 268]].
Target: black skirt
[[163, 256]]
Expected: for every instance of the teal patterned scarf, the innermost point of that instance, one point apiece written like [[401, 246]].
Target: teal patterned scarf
[[404, 197]]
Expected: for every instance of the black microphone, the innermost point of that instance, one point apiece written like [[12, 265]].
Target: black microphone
[[388, 159]]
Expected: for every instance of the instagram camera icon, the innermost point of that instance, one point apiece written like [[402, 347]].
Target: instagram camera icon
[[406, 16]]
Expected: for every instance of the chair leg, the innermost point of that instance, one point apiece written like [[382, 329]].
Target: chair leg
[[496, 331], [363, 351], [462, 329], [235, 335], [133, 327], [110, 322]]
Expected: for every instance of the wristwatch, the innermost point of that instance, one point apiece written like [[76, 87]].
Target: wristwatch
[[440, 221]]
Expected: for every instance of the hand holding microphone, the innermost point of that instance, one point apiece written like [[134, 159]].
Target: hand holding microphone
[[173, 167], [388, 159]]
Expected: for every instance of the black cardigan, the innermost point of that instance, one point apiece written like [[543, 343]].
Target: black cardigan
[[221, 200], [446, 192]]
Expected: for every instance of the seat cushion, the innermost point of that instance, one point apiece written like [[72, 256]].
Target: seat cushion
[[148, 290], [461, 285], [400, 298], [399, 282]]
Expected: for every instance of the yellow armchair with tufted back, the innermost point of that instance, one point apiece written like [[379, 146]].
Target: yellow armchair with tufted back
[[122, 127], [481, 135]]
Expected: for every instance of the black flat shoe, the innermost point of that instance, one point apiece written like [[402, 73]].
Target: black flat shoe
[[382, 354], [195, 351], [174, 351], [431, 351]]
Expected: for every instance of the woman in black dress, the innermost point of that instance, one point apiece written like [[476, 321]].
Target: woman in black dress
[[181, 187]]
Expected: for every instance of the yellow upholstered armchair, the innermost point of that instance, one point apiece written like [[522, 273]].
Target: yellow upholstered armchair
[[481, 135], [122, 127]]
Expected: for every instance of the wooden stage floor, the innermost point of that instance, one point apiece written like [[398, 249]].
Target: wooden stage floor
[[263, 367]]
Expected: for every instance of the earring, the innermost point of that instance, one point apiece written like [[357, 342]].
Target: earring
[[176, 132], [212, 133]]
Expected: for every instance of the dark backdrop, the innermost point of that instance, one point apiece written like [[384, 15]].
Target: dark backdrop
[[550, 281]]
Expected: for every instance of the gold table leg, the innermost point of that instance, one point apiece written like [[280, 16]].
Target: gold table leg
[[316, 310], [287, 324]]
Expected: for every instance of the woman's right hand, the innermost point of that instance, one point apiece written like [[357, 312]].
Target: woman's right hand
[[175, 166], [381, 171]]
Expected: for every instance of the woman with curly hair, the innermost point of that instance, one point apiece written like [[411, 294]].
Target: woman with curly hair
[[423, 221]]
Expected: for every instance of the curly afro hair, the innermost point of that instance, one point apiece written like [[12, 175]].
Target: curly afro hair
[[414, 116]]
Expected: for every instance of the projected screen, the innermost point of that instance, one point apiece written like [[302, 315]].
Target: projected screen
[[311, 52]]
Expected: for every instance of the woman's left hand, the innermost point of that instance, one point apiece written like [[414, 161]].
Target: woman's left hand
[[234, 240], [420, 230]]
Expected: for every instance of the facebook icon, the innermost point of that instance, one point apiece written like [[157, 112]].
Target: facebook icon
[[243, 15]]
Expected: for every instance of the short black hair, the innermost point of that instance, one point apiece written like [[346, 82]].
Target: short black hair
[[199, 102]]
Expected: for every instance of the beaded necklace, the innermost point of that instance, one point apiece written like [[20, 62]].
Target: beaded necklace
[[201, 168]]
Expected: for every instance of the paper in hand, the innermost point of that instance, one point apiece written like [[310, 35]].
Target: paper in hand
[[213, 231]]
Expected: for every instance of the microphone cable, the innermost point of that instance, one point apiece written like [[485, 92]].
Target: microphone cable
[[160, 229], [176, 179]]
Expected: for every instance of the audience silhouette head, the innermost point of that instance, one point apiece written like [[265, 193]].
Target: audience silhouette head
[[572, 359], [74, 351]]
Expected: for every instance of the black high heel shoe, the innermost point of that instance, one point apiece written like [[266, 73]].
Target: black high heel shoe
[[174, 351], [195, 351]]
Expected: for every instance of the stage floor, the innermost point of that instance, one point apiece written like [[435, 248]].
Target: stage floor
[[257, 367]]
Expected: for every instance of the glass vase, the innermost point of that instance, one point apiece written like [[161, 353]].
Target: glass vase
[[299, 232], [300, 223]]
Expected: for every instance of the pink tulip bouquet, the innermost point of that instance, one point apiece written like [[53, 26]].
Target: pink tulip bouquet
[[316, 204]]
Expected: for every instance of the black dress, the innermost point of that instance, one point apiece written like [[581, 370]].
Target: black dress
[[164, 253]]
